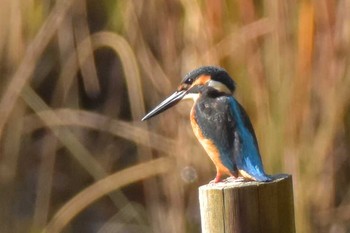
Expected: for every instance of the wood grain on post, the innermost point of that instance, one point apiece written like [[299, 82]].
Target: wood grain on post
[[240, 207]]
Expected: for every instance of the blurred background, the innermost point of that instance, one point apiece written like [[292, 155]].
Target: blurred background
[[77, 77]]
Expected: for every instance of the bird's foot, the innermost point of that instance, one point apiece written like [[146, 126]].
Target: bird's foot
[[214, 181], [233, 179], [218, 178]]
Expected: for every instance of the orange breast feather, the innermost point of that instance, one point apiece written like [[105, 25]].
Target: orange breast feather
[[209, 146]]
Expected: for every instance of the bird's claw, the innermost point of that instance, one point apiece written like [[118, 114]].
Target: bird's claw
[[233, 179], [229, 179]]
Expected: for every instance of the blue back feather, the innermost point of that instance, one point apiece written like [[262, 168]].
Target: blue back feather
[[248, 156]]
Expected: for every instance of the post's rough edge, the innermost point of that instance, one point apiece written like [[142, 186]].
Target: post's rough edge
[[239, 184]]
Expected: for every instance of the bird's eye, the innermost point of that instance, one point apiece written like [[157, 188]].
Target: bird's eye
[[189, 81]]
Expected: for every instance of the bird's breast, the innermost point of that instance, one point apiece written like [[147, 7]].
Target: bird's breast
[[208, 144]]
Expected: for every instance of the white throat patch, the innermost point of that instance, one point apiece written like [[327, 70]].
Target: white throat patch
[[219, 86]]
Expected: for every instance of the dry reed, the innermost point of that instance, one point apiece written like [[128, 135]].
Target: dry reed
[[77, 77]]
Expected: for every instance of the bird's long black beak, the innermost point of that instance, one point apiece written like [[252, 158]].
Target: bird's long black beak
[[167, 103]]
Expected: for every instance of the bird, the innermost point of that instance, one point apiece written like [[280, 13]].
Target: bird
[[220, 124]]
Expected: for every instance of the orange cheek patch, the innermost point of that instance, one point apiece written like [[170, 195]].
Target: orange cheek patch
[[201, 80]]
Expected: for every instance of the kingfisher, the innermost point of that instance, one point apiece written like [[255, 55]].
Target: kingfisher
[[220, 124]]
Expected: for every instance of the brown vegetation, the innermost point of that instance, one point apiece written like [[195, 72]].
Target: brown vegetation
[[77, 77]]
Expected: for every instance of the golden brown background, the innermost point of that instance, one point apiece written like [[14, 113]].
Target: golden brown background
[[77, 76]]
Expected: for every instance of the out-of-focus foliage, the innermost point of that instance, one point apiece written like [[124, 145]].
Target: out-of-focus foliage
[[77, 77]]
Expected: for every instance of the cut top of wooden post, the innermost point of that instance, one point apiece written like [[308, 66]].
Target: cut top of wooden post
[[248, 206]]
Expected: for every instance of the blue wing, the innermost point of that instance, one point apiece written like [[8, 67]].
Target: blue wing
[[246, 150]]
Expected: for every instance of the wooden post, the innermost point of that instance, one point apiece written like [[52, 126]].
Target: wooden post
[[240, 207]]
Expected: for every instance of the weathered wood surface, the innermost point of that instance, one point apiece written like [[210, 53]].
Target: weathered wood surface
[[248, 207]]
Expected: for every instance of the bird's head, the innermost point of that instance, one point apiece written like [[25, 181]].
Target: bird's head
[[194, 83]]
